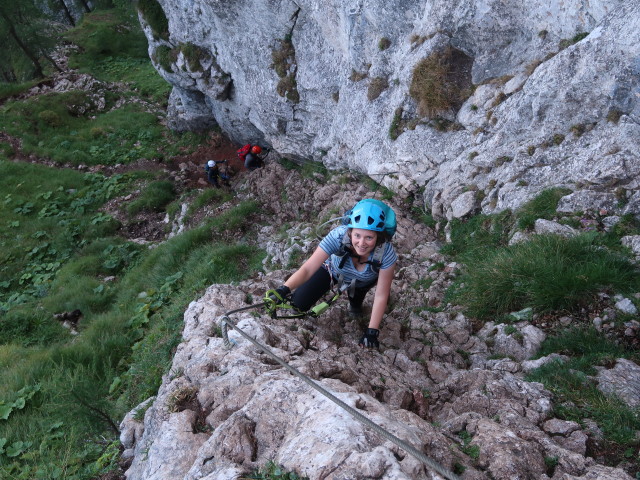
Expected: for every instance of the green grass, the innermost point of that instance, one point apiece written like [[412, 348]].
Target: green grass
[[71, 127], [9, 89], [207, 197], [102, 33], [440, 82], [576, 397], [272, 471], [546, 273], [128, 334], [542, 206], [45, 222], [480, 232], [48, 129], [154, 198]]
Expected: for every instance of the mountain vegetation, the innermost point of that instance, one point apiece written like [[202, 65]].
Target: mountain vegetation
[[71, 160]]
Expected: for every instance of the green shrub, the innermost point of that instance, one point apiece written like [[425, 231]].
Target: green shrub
[[547, 273], [441, 82], [50, 118], [397, 125], [153, 198], [479, 232]]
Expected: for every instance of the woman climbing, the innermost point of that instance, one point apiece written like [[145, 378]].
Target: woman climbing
[[355, 257]]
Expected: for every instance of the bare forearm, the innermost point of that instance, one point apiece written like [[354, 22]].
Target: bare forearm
[[377, 311]]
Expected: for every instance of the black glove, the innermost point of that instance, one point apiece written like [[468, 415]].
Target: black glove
[[370, 338], [280, 294]]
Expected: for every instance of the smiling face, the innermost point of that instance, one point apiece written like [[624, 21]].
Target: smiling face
[[363, 241]]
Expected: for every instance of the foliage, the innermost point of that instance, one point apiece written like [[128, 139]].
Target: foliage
[[152, 12], [30, 35], [106, 33], [441, 82], [384, 43], [576, 396], [207, 197], [397, 125], [115, 136], [47, 221], [548, 272], [479, 232], [377, 85], [272, 471], [129, 330], [154, 198], [573, 40], [8, 90], [543, 205]]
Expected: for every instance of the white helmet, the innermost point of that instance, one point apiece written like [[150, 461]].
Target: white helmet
[[211, 163]]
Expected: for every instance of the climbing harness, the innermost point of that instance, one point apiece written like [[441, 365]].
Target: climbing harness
[[272, 306], [225, 323]]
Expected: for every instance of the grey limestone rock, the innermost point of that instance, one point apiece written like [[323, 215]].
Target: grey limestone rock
[[555, 103]]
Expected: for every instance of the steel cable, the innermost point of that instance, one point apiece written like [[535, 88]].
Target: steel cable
[[357, 415]]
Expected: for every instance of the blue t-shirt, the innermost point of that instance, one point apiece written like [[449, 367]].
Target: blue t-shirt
[[332, 244]]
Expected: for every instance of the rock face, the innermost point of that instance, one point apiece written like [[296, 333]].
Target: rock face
[[454, 393], [554, 98]]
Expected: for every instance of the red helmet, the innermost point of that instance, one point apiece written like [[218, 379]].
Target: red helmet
[[256, 149]]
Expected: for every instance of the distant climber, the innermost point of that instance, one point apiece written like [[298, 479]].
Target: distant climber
[[214, 174], [251, 156]]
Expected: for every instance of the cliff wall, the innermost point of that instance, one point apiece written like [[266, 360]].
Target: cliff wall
[[536, 95]]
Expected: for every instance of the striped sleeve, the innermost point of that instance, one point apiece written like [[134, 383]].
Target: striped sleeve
[[333, 241]]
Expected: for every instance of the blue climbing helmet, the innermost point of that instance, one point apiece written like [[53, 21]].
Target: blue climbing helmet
[[367, 216]]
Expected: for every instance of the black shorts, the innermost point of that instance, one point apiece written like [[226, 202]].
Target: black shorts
[[308, 294]]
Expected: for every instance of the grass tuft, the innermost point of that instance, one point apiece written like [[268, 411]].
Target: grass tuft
[[547, 273], [153, 198], [542, 206], [441, 82]]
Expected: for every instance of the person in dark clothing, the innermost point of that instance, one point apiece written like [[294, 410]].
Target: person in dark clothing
[[252, 160], [213, 172]]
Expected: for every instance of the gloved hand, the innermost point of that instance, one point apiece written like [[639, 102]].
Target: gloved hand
[[280, 294], [370, 338]]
